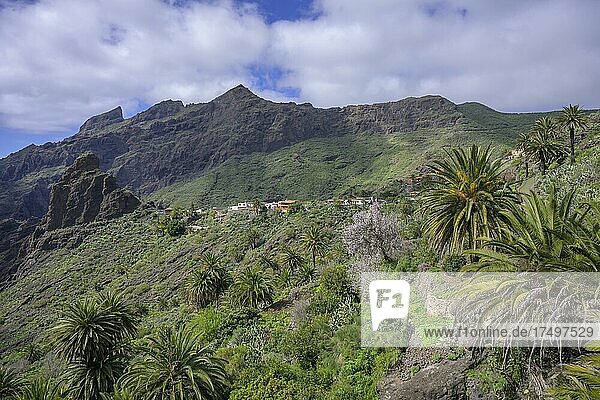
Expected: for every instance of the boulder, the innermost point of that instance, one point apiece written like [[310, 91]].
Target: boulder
[[443, 381]]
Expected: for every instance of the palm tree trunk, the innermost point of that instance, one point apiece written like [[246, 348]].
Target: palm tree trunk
[[572, 139], [526, 170], [542, 163], [314, 259]]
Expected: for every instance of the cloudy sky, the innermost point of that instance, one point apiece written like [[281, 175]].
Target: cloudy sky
[[64, 60]]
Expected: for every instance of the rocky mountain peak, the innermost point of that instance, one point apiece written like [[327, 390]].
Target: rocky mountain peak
[[85, 194], [84, 163], [236, 94], [102, 120]]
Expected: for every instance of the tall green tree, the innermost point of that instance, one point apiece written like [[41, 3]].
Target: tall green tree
[[573, 118], [543, 144], [92, 336], [174, 366], [253, 238], [522, 142], [266, 261], [465, 199], [10, 384], [253, 287], [207, 281], [314, 240]]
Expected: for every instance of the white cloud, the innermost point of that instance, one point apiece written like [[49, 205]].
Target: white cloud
[[512, 55], [64, 60]]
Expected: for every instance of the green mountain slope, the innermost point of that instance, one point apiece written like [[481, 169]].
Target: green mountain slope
[[266, 350], [326, 167]]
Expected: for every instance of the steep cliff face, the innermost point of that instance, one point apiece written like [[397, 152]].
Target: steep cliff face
[[85, 194], [82, 195], [100, 121], [170, 142]]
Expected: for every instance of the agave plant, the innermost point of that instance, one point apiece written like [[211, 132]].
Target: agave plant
[[466, 199], [174, 366], [253, 287], [92, 336], [207, 281]]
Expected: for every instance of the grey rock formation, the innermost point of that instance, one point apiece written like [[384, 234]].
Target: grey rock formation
[[85, 194], [100, 121], [443, 381], [163, 109]]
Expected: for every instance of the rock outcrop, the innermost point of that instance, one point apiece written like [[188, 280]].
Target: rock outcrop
[[100, 121], [85, 194], [443, 381]]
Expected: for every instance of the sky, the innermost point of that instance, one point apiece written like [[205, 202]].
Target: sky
[[62, 61]]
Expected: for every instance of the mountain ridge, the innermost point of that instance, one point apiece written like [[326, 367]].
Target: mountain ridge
[[171, 142]]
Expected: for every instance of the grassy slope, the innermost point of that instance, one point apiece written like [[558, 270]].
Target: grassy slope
[[127, 255], [326, 167], [585, 174]]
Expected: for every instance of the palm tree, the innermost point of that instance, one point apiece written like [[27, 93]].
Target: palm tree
[[306, 273], [572, 118], [522, 142], [92, 336], [253, 238], [174, 366], [41, 390], [543, 144], [123, 394], [258, 206], [583, 238], [207, 281], [10, 384], [545, 234], [581, 380], [265, 261], [253, 287], [291, 258], [465, 199], [314, 240]]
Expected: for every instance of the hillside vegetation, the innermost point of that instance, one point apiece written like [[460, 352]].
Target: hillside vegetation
[[264, 304]]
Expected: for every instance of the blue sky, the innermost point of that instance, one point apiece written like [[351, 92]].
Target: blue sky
[[66, 60]]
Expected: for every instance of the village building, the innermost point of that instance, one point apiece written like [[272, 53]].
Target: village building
[[284, 205], [244, 206]]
